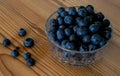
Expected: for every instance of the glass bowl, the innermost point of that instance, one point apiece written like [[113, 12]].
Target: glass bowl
[[73, 57]]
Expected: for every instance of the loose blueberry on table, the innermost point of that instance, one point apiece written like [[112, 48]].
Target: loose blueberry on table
[[80, 29], [22, 32], [30, 62], [6, 42], [15, 53], [27, 56], [28, 42]]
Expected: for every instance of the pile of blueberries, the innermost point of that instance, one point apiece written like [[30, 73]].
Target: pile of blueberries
[[80, 29], [28, 42]]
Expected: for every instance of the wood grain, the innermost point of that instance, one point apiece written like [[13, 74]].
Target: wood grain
[[32, 15]]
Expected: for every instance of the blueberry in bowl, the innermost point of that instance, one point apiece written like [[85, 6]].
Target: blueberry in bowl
[[78, 34]]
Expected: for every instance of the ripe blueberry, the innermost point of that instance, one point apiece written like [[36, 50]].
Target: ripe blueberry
[[30, 62], [6, 42], [15, 53], [27, 56], [28, 42], [68, 20], [22, 32]]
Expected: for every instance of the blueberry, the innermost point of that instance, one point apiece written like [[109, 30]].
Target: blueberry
[[63, 43], [89, 19], [27, 56], [30, 62], [62, 27], [52, 36], [61, 9], [22, 32], [94, 28], [100, 16], [82, 23], [86, 39], [92, 47], [52, 29], [60, 34], [83, 48], [6, 42], [68, 20], [95, 39], [70, 46], [64, 13], [108, 29], [75, 28], [90, 9], [15, 53], [107, 35], [72, 37], [28, 42], [98, 23], [81, 7], [82, 12], [72, 11], [81, 31], [53, 22], [60, 20], [78, 19], [102, 43], [106, 22], [68, 31]]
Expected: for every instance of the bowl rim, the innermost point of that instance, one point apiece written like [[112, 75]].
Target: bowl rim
[[74, 51]]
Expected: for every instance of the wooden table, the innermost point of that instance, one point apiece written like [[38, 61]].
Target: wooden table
[[32, 15]]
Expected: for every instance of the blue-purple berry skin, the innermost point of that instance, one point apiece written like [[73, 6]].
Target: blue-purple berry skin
[[68, 31], [102, 43], [75, 28], [73, 37], [106, 23], [63, 14], [86, 39], [61, 9], [100, 16], [15, 53], [94, 28], [60, 34], [60, 20], [22, 32], [82, 23], [90, 9], [63, 43], [6, 42], [68, 20], [82, 31], [82, 12], [53, 22], [92, 47], [95, 39], [88, 19], [72, 11], [52, 36], [27, 56], [70, 46], [28, 42], [30, 62]]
